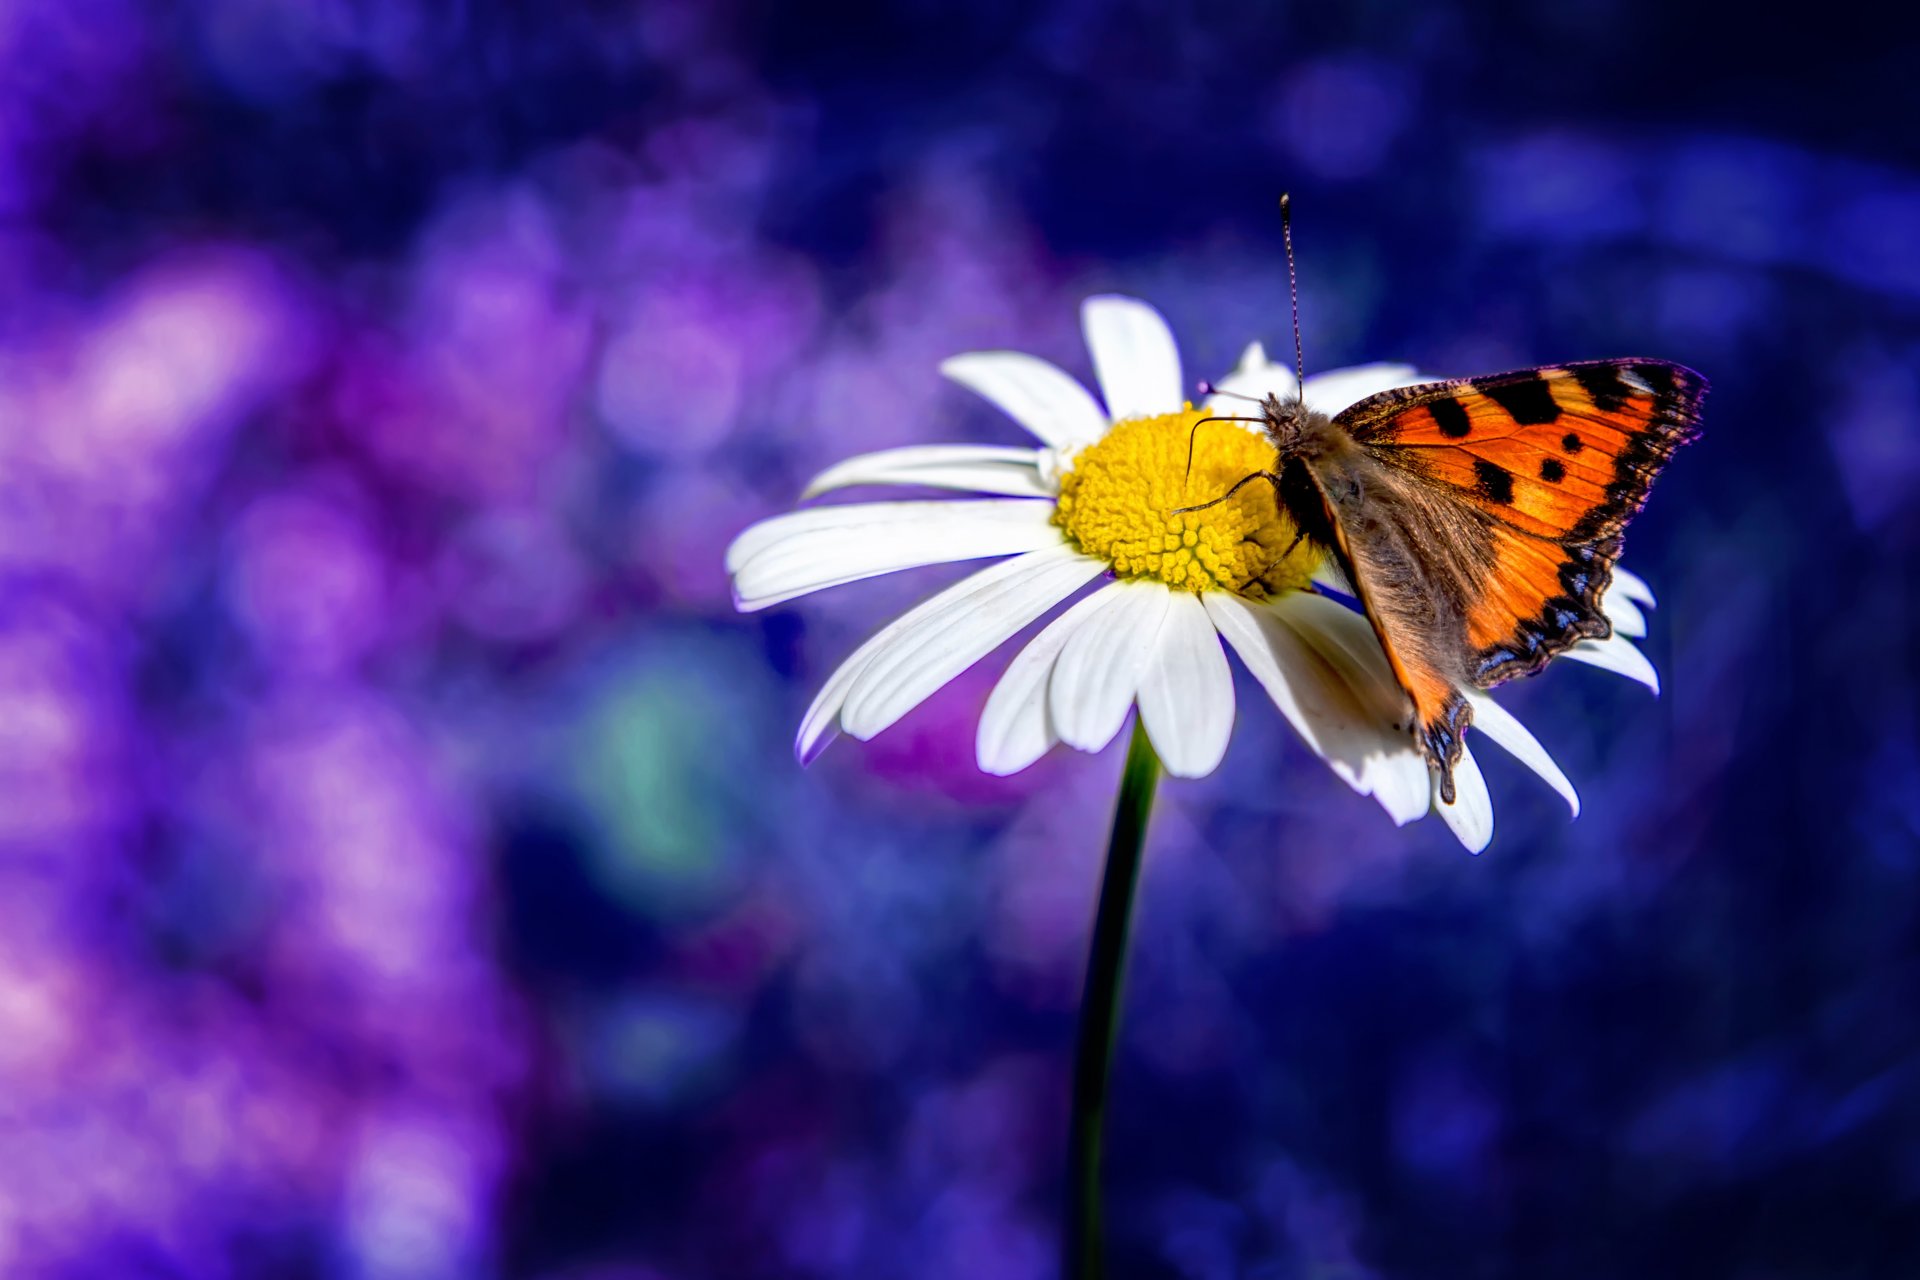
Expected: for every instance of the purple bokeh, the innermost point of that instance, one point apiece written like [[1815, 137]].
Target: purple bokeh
[[403, 867]]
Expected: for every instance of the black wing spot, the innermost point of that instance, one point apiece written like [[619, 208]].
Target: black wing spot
[[1529, 401], [1451, 417], [1493, 481], [1604, 384], [1552, 472], [1572, 442]]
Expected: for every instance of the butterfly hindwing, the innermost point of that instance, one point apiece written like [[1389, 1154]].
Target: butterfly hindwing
[[1542, 599]]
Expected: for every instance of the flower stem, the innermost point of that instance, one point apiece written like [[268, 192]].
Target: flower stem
[[1100, 1008]]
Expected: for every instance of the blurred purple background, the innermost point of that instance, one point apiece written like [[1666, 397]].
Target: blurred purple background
[[403, 869]]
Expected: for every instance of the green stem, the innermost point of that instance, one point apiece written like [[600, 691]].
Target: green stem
[[1100, 1008]]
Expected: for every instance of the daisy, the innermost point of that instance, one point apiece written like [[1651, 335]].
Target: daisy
[[1094, 501]]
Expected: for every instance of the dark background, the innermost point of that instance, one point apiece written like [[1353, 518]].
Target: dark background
[[403, 870]]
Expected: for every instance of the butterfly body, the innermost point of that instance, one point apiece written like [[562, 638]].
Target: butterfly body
[[1478, 520]]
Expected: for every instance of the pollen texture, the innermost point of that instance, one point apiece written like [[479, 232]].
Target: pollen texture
[[1117, 502]]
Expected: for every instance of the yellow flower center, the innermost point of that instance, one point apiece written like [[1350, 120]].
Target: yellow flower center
[[1117, 502]]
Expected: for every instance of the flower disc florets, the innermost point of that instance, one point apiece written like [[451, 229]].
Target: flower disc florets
[[1118, 500]]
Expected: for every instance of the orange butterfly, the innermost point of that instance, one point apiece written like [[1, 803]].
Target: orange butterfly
[[1478, 520]]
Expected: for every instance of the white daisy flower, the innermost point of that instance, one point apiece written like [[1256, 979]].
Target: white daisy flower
[[1095, 501]]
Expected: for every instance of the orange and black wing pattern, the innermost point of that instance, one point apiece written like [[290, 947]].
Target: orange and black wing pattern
[[1556, 460]]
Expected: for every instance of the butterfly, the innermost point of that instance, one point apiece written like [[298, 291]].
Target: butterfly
[[1478, 519]]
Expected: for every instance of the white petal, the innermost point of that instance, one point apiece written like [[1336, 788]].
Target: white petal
[[816, 552], [1618, 655], [956, 629], [1336, 389], [1624, 614], [821, 725], [1041, 397], [1099, 670], [1253, 358], [1014, 728], [757, 537], [1470, 816], [1344, 638], [1632, 586], [1347, 640], [1500, 727], [1333, 699], [1186, 695], [1133, 356], [874, 516], [975, 468]]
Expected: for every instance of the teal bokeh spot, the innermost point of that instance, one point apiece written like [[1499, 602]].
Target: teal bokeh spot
[[669, 759]]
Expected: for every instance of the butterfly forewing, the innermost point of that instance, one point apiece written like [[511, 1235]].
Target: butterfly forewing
[[1562, 452]]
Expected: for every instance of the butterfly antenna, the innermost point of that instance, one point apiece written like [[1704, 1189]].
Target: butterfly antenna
[[1203, 422], [1209, 389], [1293, 293]]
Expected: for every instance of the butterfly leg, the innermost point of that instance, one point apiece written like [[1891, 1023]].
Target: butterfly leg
[[1240, 484], [1298, 538]]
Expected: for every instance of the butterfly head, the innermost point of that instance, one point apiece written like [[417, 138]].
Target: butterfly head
[[1291, 425]]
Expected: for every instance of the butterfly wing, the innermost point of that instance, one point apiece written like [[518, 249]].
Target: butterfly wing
[[1557, 459], [1498, 507]]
